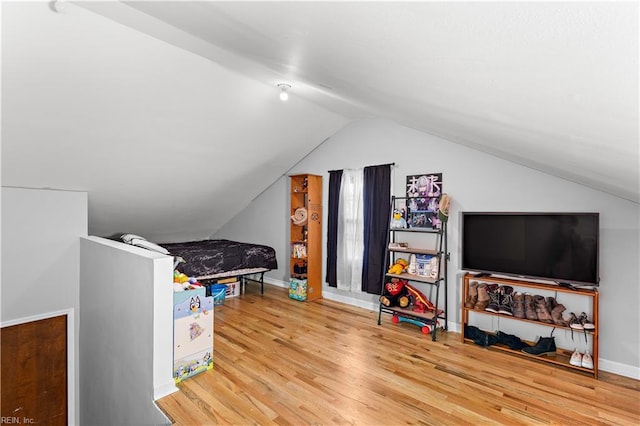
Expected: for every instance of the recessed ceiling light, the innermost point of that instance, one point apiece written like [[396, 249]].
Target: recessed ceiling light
[[283, 91]]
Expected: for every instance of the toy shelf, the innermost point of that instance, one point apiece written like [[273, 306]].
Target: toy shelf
[[432, 237]]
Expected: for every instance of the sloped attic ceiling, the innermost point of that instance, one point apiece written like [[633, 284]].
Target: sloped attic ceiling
[[167, 144], [551, 85], [168, 109]]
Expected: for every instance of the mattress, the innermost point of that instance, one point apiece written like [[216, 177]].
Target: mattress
[[221, 258]]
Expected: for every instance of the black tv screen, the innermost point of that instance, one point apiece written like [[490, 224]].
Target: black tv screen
[[560, 247]]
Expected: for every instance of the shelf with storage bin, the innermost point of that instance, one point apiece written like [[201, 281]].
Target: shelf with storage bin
[[424, 238], [562, 356], [306, 236]]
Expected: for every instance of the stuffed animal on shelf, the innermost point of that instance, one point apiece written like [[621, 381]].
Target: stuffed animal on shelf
[[398, 267], [397, 220], [394, 293]]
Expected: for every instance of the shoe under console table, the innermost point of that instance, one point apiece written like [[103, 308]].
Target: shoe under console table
[[562, 356]]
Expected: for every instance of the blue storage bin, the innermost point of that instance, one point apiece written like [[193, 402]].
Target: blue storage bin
[[218, 291]]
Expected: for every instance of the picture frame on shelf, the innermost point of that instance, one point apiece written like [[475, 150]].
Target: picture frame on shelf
[[423, 196]]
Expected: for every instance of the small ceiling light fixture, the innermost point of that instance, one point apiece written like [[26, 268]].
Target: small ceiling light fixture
[[283, 91], [58, 5]]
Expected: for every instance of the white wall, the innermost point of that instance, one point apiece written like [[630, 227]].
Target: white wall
[[249, 225], [476, 182], [41, 232], [126, 358]]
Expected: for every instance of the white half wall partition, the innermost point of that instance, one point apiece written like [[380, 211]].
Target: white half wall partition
[[126, 357]]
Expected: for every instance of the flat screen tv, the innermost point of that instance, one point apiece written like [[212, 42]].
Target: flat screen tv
[[559, 247]]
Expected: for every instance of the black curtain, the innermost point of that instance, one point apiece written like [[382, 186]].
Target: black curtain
[[335, 181], [377, 214]]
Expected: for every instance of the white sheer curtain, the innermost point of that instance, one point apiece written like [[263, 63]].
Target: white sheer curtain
[[350, 232]]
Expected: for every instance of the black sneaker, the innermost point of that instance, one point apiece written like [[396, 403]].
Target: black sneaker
[[506, 300], [494, 298]]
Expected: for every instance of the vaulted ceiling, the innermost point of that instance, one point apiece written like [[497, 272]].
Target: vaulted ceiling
[[549, 85]]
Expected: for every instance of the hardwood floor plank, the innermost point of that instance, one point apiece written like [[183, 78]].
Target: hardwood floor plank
[[283, 362]]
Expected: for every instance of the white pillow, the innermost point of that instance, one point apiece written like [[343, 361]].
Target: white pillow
[[138, 241]]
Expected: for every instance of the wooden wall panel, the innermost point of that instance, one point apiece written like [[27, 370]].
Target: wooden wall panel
[[34, 372]]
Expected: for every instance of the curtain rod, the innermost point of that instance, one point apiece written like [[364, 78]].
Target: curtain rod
[[377, 165]]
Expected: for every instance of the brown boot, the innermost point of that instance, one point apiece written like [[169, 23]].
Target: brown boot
[[483, 297], [541, 309], [556, 315], [518, 305], [472, 297], [530, 308]]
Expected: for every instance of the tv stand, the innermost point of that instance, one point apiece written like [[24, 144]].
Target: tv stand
[[482, 275], [530, 328]]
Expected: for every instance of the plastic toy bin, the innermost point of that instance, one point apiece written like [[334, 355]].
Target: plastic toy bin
[[298, 289], [218, 291], [233, 289], [192, 333]]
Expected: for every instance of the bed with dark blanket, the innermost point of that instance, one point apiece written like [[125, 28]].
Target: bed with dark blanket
[[211, 259]]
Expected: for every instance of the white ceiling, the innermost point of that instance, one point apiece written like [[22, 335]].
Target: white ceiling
[[550, 85], [167, 144], [164, 112]]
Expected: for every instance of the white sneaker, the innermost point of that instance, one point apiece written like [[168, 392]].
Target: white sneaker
[[576, 359], [587, 361]]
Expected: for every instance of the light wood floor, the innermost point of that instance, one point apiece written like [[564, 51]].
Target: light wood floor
[[279, 361]]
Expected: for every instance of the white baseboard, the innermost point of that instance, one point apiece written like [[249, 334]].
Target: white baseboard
[[364, 304], [164, 390], [604, 365], [619, 369], [275, 282]]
